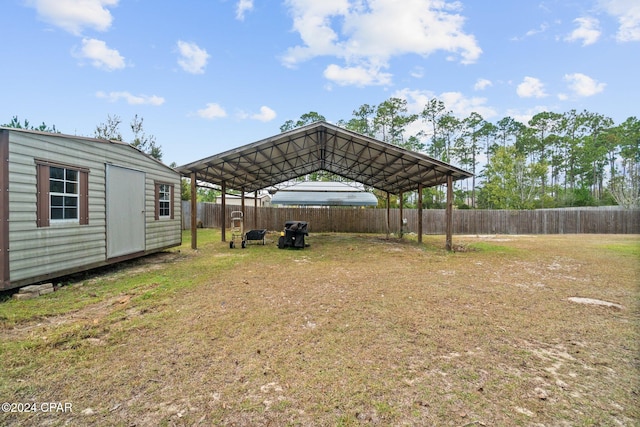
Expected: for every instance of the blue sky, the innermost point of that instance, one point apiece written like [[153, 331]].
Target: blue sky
[[210, 75]]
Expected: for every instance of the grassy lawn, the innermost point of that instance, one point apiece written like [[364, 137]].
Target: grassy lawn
[[355, 329]]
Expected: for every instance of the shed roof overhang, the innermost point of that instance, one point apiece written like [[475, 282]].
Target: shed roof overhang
[[321, 146]]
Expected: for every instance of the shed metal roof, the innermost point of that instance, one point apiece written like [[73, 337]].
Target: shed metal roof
[[318, 193], [322, 146]]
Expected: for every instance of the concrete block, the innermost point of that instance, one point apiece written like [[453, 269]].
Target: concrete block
[[27, 295], [46, 291], [35, 288]]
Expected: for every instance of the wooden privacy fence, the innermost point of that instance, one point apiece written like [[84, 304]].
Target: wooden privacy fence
[[472, 221]]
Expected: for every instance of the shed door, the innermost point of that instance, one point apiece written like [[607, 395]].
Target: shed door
[[125, 211]]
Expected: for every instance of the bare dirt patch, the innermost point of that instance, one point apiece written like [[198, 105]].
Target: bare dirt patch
[[593, 301], [355, 329]]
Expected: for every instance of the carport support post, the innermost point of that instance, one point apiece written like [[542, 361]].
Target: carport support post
[[242, 202], [449, 213], [224, 211], [194, 212], [419, 213], [388, 213], [400, 205], [255, 209]]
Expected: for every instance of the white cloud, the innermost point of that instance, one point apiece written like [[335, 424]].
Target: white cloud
[[131, 99], [243, 7], [588, 31], [628, 14], [366, 34], [482, 84], [531, 88], [456, 102], [416, 99], [100, 55], [524, 117], [75, 15], [417, 72], [356, 76], [212, 111], [266, 114], [462, 105], [192, 58], [541, 29], [583, 85]]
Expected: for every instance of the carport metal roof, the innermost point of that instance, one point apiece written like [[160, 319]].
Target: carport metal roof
[[322, 146]]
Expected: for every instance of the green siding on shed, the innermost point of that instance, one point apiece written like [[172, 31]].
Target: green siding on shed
[[42, 252]]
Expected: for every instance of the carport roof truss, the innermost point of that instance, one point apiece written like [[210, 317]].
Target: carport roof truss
[[322, 146]]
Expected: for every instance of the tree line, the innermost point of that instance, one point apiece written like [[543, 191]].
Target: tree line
[[553, 160]]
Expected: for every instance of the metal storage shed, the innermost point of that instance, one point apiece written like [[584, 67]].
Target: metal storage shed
[[69, 204], [319, 193], [321, 146]]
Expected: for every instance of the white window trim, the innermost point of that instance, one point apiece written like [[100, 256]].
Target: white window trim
[[76, 195]]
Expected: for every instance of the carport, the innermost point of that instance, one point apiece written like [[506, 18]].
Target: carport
[[322, 146]]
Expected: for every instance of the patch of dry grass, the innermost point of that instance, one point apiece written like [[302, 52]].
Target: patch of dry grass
[[355, 329]]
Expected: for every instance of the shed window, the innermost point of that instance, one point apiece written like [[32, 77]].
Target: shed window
[[164, 199], [63, 191], [62, 194]]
